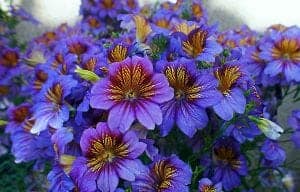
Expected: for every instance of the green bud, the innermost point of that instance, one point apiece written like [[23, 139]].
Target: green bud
[[86, 74], [269, 128], [2, 122]]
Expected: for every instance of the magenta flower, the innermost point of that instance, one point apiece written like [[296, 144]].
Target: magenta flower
[[131, 91], [107, 156]]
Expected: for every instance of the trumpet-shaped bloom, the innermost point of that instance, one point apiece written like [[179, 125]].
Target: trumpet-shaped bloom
[[192, 94], [233, 97], [229, 163], [50, 108], [131, 91], [281, 51], [107, 156], [164, 175], [200, 44]]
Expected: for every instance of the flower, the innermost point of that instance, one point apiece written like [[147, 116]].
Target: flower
[[268, 127], [242, 131], [164, 174], [206, 185], [197, 11], [58, 180], [281, 51], [143, 29], [192, 94], [107, 156], [50, 108], [118, 53], [229, 163], [17, 117], [233, 97], [131, 91], [200, 44], [274, 155], [108, 8]]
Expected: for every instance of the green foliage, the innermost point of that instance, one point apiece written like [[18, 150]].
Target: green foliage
[[12, 175], [158, 45]]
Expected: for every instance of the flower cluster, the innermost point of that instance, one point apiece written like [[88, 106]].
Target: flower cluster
[[150, 99]]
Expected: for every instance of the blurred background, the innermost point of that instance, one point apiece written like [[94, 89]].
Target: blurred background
[[257, 14]]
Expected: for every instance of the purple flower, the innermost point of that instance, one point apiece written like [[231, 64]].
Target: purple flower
[[206, 185], [50, 108], [131, 91], [201, 45], [107, 156], [108, 8], [229, 163], [58, 180], [9, 62], [197, 11], [93, 25], [242, 131], [61, 138], [233, 97], [274, 155], [131, 6], [281, 53], [164, 175], [242, 36], [17, 116], [27, 147], [192, 94]]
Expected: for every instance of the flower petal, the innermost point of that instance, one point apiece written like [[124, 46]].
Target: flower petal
[[121, 116], [148, 114]]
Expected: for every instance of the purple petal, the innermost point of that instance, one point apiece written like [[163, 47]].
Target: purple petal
[[168, 110], [87, 137], [124, 171], [237, 100], [224, 110], [99, 95], [121, 116], [137, 150], [108, 179], [209, 98], [79, 174], [273, 68], [190, 117], [163, 92], [292, 72], [148, 114]]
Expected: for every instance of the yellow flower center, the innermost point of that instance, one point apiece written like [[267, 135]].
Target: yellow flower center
[[287, 49], [183, 83], [9, 59], [105, 150], [227, 77], [163, 23], [55, 93], [209, 188], [77, 48], [195, 42], [131, 83], [118, 53], [108, 4], [163, 172], [227, 156]]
